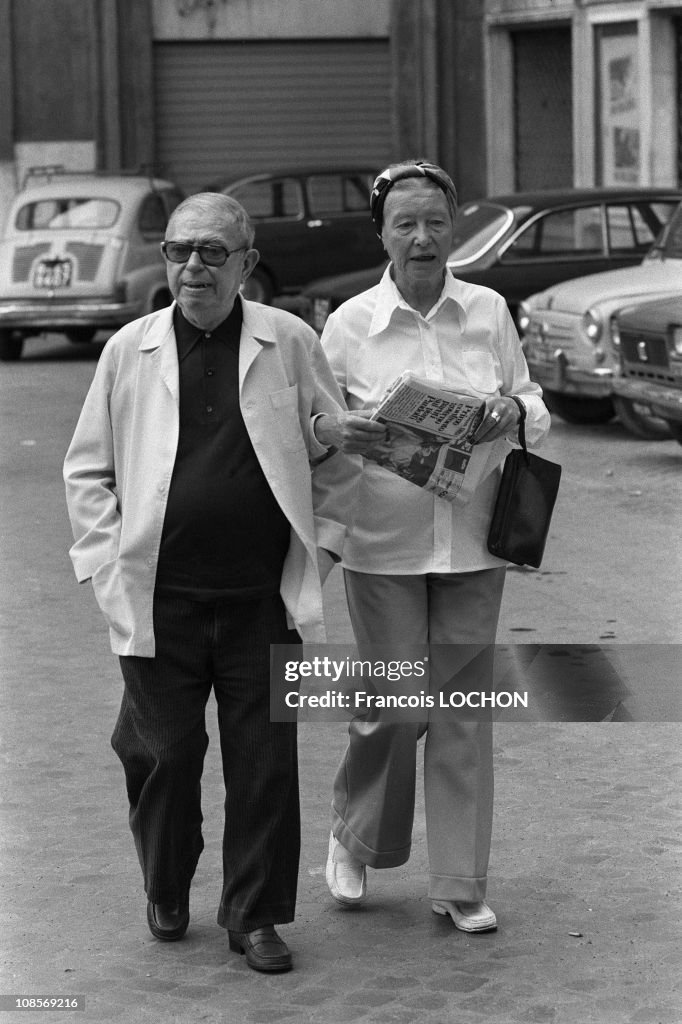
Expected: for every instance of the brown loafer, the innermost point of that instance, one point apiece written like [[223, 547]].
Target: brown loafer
[[168, 921], [263, 948]]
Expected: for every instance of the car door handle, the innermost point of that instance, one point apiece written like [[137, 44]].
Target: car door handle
[[317, 223]]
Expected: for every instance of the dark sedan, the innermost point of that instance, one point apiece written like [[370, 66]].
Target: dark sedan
[[308, 222], [523, 243]]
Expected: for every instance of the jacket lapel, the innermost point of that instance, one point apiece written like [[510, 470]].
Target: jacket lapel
[[159, 341], [256, 331]]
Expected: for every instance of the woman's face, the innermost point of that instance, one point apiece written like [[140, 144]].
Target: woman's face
[[417, 231]]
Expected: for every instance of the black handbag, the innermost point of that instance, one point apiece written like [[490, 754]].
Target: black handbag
[[524, 504]]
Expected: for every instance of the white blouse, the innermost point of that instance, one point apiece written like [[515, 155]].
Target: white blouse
[[468, 341]]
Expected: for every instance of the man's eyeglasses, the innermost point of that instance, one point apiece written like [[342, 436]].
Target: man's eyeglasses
[[210, 255]]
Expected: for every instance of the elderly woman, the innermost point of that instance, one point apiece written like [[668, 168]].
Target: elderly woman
[[417, 569]]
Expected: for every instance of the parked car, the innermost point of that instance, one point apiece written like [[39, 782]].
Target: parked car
[[648, 337], [308, 222], [568, 344], [81, 252], [522, 243]]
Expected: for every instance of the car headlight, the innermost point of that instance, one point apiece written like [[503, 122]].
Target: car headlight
[[677, 341], [523, 316], [614, 331], [592, 326]]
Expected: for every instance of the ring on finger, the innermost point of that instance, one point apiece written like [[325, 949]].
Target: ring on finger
[[495, 416]]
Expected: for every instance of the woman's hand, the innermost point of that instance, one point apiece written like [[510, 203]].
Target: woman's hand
[[501, 416]]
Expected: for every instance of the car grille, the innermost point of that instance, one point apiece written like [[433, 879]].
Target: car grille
[[560, 329], [89, 258], [548, 332], [638, 348], [24, 257], [646, 357]]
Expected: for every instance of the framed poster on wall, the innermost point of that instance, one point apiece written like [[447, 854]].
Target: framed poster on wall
[[618, 105]]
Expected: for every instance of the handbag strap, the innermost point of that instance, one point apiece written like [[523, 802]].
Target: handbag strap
[[522, 428]]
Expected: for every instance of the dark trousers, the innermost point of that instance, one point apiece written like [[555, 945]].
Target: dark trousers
[[160, 737]]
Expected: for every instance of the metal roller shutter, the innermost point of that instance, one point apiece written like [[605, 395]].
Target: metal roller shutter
[[224, 109]]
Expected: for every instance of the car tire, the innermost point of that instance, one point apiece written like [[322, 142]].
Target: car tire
[[11, 346], [580, 410], [81, 335], [646, 427], [258, 287], [675, 428]]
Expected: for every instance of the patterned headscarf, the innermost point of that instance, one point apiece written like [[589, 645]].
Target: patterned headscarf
[[409, 169]]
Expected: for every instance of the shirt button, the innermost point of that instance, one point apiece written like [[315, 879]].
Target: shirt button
[[209, 373], [208, 334], [150, 562], [209, 408]]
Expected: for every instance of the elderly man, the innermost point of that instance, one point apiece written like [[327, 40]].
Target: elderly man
[[206, 537], [417, 568]]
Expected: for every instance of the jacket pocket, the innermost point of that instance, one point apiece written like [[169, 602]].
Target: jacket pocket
[[287, 423]]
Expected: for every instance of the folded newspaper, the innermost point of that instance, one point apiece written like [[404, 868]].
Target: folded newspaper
[[430, 433]]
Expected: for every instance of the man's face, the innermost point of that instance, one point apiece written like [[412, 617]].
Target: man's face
[[206, 294], [417, 231]]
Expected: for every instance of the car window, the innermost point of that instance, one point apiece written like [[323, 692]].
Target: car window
[[276, 198], [477, 227], [356, 191], [338, 193], [560, 233], [636, 226], [658, 214], [62, 213], [153, 217], [621, 227], [172, 198]]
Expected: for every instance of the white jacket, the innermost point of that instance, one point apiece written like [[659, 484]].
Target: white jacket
[[118, 467]]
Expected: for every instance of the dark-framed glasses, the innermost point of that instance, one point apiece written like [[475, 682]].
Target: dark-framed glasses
[[210, 255]]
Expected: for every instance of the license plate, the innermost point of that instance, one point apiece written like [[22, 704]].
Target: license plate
[[53, 274]]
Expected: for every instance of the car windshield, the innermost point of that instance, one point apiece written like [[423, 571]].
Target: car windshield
[[477, 227], [67, 212]]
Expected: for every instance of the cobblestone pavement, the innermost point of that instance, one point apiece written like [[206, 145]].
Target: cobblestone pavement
[[585, 864], [584, 879]]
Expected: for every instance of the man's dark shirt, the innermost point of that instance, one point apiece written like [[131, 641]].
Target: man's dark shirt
[[224, 535]]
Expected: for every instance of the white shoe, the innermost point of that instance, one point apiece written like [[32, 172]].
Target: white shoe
[[346, 875], [468, 917]]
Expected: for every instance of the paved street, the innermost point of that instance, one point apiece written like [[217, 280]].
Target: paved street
[[585, 867]]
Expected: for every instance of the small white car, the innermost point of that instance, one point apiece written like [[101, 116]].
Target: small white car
[[571, 349], [81, 253]]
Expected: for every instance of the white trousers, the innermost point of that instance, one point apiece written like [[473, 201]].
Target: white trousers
[[374, 789]]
